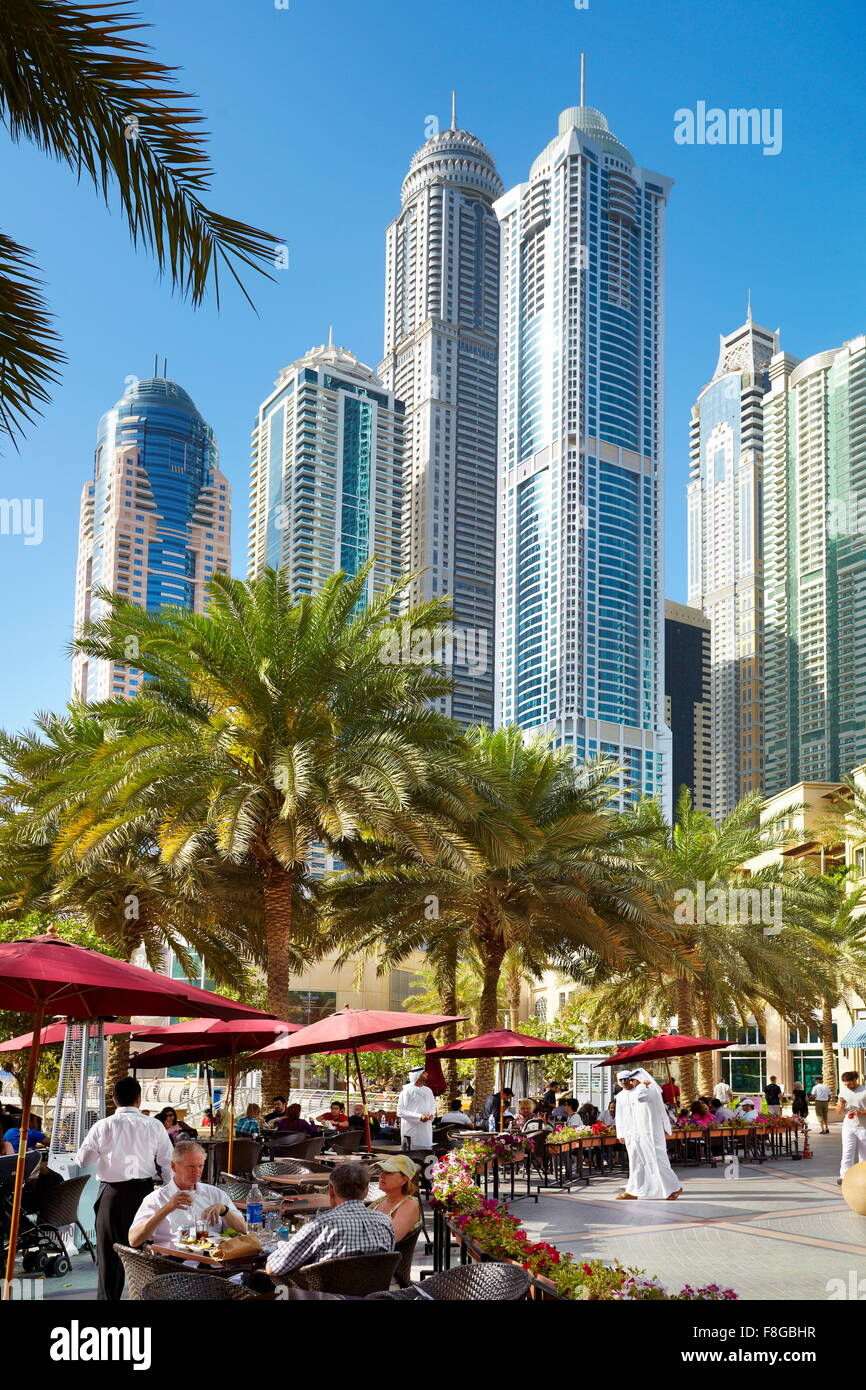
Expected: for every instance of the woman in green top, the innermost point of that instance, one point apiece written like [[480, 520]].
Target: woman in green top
[[398, 1200]]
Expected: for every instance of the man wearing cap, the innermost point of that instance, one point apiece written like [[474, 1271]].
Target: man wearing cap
[[415, 1110]]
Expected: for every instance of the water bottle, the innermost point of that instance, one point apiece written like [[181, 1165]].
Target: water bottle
[[491, 1124], [254, 1208]]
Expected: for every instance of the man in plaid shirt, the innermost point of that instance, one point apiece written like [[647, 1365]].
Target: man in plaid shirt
[[349, 1228]]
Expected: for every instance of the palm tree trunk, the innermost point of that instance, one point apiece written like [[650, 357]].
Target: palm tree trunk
[[705, 1059], [830, 1078], [448, 1000], [492, 952], [279, 901], [117, 1065], [685, 1024], [514, 983]]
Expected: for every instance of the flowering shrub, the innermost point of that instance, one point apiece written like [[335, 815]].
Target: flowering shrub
[[711, 1293], [453, 1184]]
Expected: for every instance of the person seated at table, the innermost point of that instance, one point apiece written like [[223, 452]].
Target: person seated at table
[[588, 1113], [349, 1228], [35, 1137], [525, 1113], [492, 1107], [721, 1113], [399, 1199], [174, 1128], [335, 1117], [548, 1100], [559, 1113], [356, 1121], [572, 1115], [291, 1123], [454, 1115], [746, 1112], [249, 1125], [279, 1109], [184, 1201], [608, 1115]]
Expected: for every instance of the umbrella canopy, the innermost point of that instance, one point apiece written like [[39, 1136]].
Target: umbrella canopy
[[433, 1067], [346, 1030], [663, 1045], [180, 1054], [225, 1033], [53, 975], [500, 1043], [56, 1032]]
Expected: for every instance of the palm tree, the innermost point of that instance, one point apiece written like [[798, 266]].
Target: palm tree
[[118, 887], [272, 729], [730, 961], [551, 876], [837, 936], [77, 81]]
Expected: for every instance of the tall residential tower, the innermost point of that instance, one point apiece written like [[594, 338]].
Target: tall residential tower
[[725, 554], [580, 601], [155, 521], [441, 334]]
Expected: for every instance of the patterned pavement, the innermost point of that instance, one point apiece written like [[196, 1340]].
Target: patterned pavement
[[778, 1230]]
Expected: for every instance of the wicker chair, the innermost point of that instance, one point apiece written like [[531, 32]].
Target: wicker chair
[[296, 1165], [236, 1188], [186, 1286], [59, 1207], [310, 1148], [491, 1282], [355, 1275], [140, 1267], [347, 1143], [246, 1155], [405, 1248]]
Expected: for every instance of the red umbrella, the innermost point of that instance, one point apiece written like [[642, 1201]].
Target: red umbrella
[[500, 1043], [663, 1045], [45, 974], [433, 1067], [56, 1033], [349, 1028], [197, 1041]]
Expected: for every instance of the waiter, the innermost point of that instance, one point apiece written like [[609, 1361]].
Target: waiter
[[415, 1110], [126, 1149]]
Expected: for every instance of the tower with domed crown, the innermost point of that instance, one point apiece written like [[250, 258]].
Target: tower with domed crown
[[441, 361], [155, 521]]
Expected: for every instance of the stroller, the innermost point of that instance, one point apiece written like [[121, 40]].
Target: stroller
[[39, 1240]]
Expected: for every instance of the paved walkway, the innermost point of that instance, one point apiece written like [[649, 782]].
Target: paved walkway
[[778, 1230]]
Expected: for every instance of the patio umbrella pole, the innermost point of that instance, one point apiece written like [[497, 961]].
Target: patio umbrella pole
[[363, 1097], [231, 1107], [15, 1218]]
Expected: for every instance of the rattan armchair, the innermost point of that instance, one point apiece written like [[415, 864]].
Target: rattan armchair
[[486, 1282], [186, 1286], [141, 1266], [355, 1275]]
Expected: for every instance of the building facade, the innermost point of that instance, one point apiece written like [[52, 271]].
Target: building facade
[[815, 566], [327, 474], [580, 605], [688, 709], [441, 335], [155, 521], [725, 554]]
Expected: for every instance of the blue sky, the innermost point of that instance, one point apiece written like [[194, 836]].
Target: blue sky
[[315, 112]]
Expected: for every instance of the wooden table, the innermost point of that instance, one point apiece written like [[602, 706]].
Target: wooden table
[[291, 1180], [302, 1203], [185, 1252]]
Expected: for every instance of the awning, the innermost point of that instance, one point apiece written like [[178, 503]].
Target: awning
[[856, 1037]]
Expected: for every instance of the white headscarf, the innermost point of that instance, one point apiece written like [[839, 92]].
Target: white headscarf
[[657, 1101]]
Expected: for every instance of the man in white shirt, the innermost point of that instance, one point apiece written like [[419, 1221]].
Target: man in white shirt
[[821, 1096], [184, 1201], [415, 1110], [852, 1104], [128, 1151], [746, 1112], [723, 1092]]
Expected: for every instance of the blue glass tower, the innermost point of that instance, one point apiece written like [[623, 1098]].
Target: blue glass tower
[[155, 520], [580, 633]]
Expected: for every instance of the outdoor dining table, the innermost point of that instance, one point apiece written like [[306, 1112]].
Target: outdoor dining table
[[183, 1254], [291, 1180]]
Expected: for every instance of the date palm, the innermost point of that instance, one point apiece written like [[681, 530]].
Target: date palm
[[552, 877], [271, 728], [78, 82], [730, 962], [837, 937]]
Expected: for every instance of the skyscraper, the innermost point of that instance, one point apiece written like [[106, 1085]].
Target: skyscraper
[[815, 566], [580, 602], [725, 553], [441, 334], [155, 521], [687, 702], [327, 473]]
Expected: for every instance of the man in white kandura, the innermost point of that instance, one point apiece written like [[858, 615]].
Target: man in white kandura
[[642, 1121], [415, 1110]]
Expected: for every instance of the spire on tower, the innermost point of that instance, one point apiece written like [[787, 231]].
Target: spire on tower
[[583, 79], [453, 108], [749, 308], [331, 336]]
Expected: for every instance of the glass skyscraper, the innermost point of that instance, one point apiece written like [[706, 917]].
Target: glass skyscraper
[[441, 333], [327, 464], [815, 567], [155, 521], [580, 601], [726, 554]]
